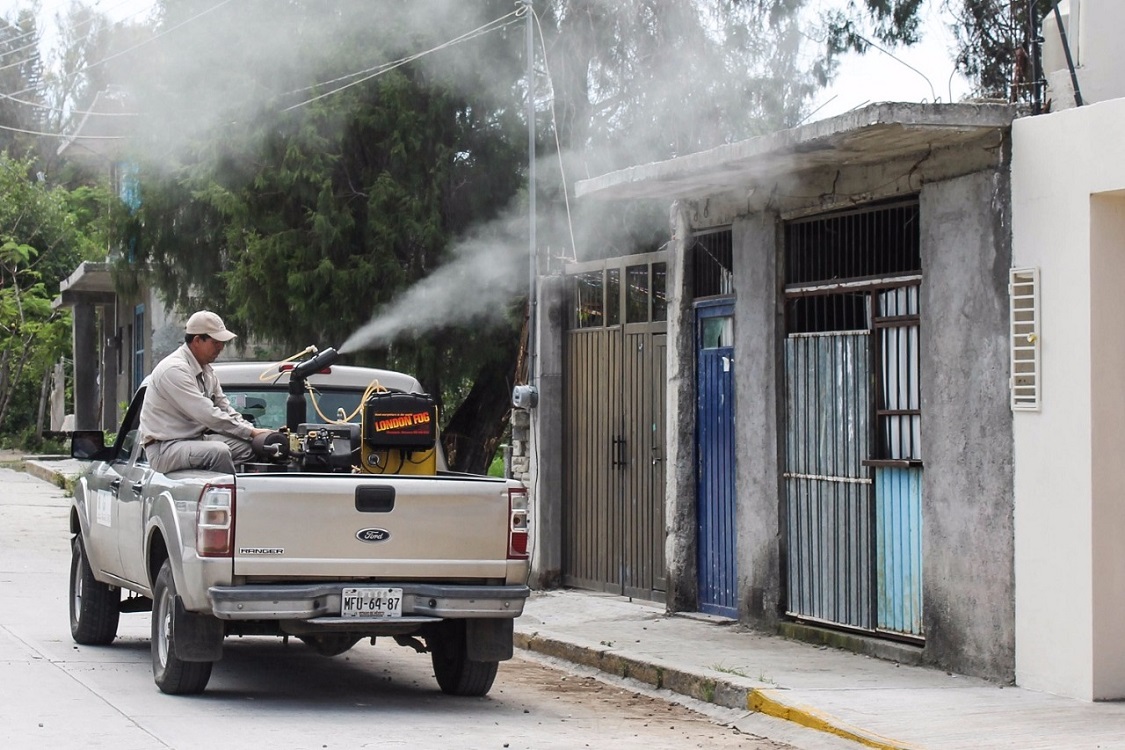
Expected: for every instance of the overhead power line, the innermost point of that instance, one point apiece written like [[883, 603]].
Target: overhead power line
[[379, 70], [137, 46]]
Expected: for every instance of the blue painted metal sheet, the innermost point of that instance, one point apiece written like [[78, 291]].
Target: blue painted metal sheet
[[898, 511], [715, 466]]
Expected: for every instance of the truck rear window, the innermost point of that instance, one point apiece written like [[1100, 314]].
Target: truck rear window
[[266, 408]]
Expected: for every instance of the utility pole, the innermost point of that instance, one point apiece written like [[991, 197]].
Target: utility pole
[[531, 190], [527, 397]]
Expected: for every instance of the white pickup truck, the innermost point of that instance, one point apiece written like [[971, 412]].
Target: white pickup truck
[[350, 527]]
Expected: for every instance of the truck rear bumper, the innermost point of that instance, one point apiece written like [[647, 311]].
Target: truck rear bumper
[[420, 601]]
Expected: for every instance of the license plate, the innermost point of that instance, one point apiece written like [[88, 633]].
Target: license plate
[[371, 602]]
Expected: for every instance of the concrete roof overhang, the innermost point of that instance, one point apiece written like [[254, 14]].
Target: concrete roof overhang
[[873, 135], [91, 283]]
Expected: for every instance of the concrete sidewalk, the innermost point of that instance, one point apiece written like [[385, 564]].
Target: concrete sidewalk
[[871, 701], [877, 703]]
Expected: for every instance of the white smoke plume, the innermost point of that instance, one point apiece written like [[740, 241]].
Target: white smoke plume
[[487, 271]]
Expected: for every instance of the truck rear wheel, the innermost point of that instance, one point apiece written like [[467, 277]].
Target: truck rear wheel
[[456, 673], [172, 675], [95, 607]]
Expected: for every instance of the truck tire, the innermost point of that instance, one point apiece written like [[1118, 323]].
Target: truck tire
[[172, 675], [95, 607], [456, 673]]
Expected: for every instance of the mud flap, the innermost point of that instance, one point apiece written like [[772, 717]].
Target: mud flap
[[196, 637], [488, 639]]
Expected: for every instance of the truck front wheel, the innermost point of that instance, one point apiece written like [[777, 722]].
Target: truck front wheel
[[456, 673], [95, 607], [173, 675]]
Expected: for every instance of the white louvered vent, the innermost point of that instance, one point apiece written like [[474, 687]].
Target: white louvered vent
[[1023, 292]]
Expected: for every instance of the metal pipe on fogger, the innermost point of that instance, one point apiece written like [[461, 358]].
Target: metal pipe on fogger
[[295, 403]]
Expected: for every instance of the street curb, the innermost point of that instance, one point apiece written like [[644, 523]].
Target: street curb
[[714, 690], [42, 470], [766, 701], [725, 693]]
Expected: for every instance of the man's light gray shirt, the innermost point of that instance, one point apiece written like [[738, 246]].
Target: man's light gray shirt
[[184, 400]]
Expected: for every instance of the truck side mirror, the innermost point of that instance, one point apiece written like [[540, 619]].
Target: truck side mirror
[[86, 445]]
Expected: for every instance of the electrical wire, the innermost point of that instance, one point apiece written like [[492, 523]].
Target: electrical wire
[[37, 33], [379, 70], [137, 46], [558, 144], [64, 111], [63, 135]]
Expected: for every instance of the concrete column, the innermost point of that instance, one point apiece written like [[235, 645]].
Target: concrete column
[[967, 497], [87, 414], [682, 541], [547, 435], [110, 418], [758, 395]]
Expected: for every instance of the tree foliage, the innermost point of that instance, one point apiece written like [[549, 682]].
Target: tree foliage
[[44, 233], [994, 48]]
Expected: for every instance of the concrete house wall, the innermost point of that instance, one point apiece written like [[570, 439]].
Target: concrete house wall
[[1068, 212], [956, 160]]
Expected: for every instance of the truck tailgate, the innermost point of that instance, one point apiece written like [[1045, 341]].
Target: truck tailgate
[[359, 526]]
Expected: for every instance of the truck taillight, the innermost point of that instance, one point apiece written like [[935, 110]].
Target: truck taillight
[[214, 521], [517, 523]]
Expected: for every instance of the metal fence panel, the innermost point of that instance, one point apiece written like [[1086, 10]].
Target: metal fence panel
[[898, 509], [828, 490]]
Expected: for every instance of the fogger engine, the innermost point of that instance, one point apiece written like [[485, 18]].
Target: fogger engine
[[397, 433]]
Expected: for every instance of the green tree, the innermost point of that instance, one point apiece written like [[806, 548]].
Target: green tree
[[994, 49], [300, 225], [21, 72], [41, 242]]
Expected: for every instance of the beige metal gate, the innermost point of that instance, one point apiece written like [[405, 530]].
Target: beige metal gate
[[613, 493]]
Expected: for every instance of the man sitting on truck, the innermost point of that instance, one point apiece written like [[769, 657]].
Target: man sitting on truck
[[187, 422]]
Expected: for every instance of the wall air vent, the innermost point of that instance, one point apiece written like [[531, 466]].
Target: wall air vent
[[1023, 293]]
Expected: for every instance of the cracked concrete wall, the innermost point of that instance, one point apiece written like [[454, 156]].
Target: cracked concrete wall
[[681, 543], [758, 388], [967, 440]]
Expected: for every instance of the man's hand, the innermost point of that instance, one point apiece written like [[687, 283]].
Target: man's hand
[[260, 431]]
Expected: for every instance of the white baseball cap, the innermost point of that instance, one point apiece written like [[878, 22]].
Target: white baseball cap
[[208, 323]]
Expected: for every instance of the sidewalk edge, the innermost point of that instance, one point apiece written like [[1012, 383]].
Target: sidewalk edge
[[41, 470], [766, 701], [717, 691], [720, 692]]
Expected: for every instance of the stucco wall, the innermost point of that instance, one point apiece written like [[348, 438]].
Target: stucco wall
[[1070, 553], [757, 379], [967, 524], [680, 508]]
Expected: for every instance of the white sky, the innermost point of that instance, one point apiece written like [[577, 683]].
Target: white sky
[[862, 79]]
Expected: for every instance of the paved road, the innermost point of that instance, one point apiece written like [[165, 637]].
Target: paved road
[[55, 694]]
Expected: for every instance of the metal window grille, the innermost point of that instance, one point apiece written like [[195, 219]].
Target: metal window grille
[[899, 414], [713, 263], [1023, 294], [589, 300], [138, 346], [875, 241], [660, 291]]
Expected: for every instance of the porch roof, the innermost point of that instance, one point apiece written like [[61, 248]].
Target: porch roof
[[875, 134], [91, 283]]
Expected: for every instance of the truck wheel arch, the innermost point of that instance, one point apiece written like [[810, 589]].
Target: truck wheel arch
[[157, 554]]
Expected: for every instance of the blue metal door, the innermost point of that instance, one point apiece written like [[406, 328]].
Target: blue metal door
[[714, 450]]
